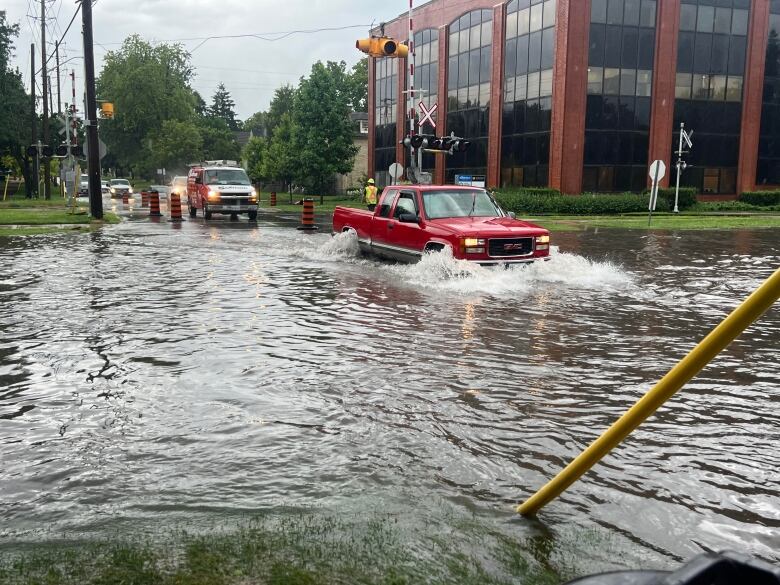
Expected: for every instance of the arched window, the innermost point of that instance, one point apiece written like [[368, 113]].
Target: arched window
[[528, 82], [470, 59]]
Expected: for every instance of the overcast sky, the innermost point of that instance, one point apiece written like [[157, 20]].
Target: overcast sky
[[250, 68]]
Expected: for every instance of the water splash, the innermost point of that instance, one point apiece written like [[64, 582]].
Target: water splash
[[441, 271]]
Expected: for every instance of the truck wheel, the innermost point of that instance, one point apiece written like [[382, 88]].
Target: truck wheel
[[206, 212], [193, 211], [253, 215]]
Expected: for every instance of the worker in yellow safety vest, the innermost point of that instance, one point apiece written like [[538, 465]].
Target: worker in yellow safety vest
[[370, 195]]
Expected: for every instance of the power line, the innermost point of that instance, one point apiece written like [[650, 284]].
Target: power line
[[261, 36]]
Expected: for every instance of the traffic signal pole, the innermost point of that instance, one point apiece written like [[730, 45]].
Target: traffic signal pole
[[45, 82], [90, 116], [32, 191]]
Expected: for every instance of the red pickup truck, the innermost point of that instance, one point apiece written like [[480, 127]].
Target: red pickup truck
[[411, 220]]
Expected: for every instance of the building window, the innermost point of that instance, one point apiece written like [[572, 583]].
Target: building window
[[364, 126], [528, 87], [468, 89], [426, 80], [768, 170], [711, 56], [385, 117], [620, 79]]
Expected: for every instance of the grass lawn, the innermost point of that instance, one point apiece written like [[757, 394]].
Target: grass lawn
[[283, 203], [51, 213], [662, 221]]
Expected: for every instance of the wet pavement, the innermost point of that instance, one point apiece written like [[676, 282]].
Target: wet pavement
[[155, 373]]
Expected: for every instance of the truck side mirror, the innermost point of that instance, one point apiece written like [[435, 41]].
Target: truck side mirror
[[512, 214], [198, 180], [408, 218]]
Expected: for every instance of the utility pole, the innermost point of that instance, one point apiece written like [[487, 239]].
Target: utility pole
[[45, 81], [90, 116], [33, 189], [59, 95]]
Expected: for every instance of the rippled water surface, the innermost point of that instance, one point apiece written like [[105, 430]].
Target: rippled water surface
[[153, 375]]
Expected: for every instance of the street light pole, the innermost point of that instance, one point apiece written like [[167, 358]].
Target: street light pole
[[90, 116]]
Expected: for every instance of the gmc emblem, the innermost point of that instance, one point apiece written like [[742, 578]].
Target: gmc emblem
[[508, 247]]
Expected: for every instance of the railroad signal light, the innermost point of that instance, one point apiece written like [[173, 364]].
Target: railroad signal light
[[382, 47], [47, 151], [62, 150], [107, 110], [32, 151], [449, 144]]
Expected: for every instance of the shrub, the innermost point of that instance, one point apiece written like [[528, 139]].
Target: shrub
[[686, 199], [535, 191], [761, 198], [586, 204]]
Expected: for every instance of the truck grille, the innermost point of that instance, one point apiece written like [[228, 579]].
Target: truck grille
[[501, 247], [234, 201]]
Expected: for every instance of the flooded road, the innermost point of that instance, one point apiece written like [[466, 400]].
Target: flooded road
[[155, 375]]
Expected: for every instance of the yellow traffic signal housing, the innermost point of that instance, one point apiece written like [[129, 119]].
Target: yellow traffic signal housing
[[107, 110], [382, 47]]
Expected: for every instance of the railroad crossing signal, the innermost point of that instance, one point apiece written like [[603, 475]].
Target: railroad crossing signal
[[382, 47], [427, 115], [429, 142]]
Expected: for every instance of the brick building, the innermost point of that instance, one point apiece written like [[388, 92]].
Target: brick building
[[582, 95]]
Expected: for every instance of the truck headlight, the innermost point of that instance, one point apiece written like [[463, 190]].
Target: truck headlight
[[473, 245], [113, 190], [131, 190], [214, 195], [543, 242], [253, 196]]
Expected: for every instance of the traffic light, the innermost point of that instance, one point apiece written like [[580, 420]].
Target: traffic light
[[107, 110], [382, 47]]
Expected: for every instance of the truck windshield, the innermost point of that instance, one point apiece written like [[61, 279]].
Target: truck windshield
[[226, 177], [120, 182], [459, 203]]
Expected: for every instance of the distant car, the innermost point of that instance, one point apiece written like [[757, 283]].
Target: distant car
[[179, 186], [84, 186], [120, 187]]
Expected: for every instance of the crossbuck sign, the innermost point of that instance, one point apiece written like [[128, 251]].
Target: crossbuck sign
[[427, 115]]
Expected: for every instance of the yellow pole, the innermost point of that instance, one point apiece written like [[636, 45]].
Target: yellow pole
[[5, 190], [750, 310]]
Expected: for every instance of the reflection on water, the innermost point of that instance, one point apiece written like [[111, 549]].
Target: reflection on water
[[148, 372]]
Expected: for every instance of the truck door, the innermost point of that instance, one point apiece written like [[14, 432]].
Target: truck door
[[407, 239], [381, 221]]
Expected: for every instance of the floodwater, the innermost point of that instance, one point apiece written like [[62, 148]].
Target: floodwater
[[153, 375]]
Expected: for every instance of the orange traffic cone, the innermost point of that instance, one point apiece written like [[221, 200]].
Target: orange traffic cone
[[144, 198], [307, 216], [273, 199], [174, 201], [154, 204], [125, 198]]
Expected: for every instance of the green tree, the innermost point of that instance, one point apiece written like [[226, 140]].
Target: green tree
[[218, 140], [148, 85], [175, 145], [357, 86], [256, 123], [280, 162], [281, 104], [322, 132], [222, 106], [15, 105], [254, 155]]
